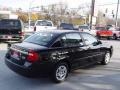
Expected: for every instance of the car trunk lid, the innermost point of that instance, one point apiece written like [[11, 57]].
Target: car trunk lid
[[19, 52]]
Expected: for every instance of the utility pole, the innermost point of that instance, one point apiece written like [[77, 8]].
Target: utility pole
[[29, 17], [92, 12], [116, 18], [29, 13]]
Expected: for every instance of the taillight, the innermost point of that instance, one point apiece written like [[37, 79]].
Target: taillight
[[32, 56], [21, 33], [81, 30], [34, 28]]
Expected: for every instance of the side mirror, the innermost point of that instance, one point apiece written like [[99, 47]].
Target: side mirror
[[8, 45], [99, 42]]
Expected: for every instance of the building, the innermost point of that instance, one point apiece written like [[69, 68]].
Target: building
[[7, 15]]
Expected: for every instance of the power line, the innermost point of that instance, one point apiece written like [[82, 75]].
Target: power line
[[108, 4]]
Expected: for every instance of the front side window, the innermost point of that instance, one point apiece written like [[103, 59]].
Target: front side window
[[73, 39], [89, 39], [69, 40]]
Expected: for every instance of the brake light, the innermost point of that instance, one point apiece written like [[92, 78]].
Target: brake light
[[21, 33], [97, 32], [32, 56], [34, 29]]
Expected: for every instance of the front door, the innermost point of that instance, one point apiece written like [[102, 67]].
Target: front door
[[93, 48]]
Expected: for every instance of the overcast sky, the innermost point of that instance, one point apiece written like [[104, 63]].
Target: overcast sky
[[24, 4]]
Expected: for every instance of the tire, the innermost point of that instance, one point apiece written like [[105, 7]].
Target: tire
[[99, 37], [108, 38], [60, 76], [114, 37], [106, 58]]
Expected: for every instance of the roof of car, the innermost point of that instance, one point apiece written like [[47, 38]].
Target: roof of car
[[58, 31]]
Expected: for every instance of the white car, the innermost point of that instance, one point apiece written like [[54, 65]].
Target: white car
[[86, 28], [116, 32], [44, 25]]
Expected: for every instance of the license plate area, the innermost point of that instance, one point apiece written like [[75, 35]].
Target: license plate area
[[7, 36], [15, 55]]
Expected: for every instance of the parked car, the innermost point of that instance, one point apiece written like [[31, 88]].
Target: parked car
[[116, 32], [56, 53], [67, 26], [11, 29], [104, 32], [86, 28], [44, 25]]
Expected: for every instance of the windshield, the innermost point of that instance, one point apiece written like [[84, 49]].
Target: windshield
[[40, 38]]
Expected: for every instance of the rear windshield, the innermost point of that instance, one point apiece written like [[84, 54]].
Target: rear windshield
[[100, 28], [67, 26], [83, 27], [10, 23], [41, 38], [44, 23]]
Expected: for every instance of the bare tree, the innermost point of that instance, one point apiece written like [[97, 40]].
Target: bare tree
[[55, 12]]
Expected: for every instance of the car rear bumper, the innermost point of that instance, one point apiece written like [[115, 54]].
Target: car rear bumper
[[106, 35], [32, 70], [11, 37]]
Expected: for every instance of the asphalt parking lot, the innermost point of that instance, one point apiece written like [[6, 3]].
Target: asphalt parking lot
[[97, 77]]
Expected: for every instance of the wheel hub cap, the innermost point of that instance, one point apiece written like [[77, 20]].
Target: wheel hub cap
[[61, 73], [107, 57]]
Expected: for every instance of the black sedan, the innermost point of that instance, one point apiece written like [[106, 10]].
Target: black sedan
[[56, 53]]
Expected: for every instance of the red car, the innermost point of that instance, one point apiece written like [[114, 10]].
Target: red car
[[103, 32]]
